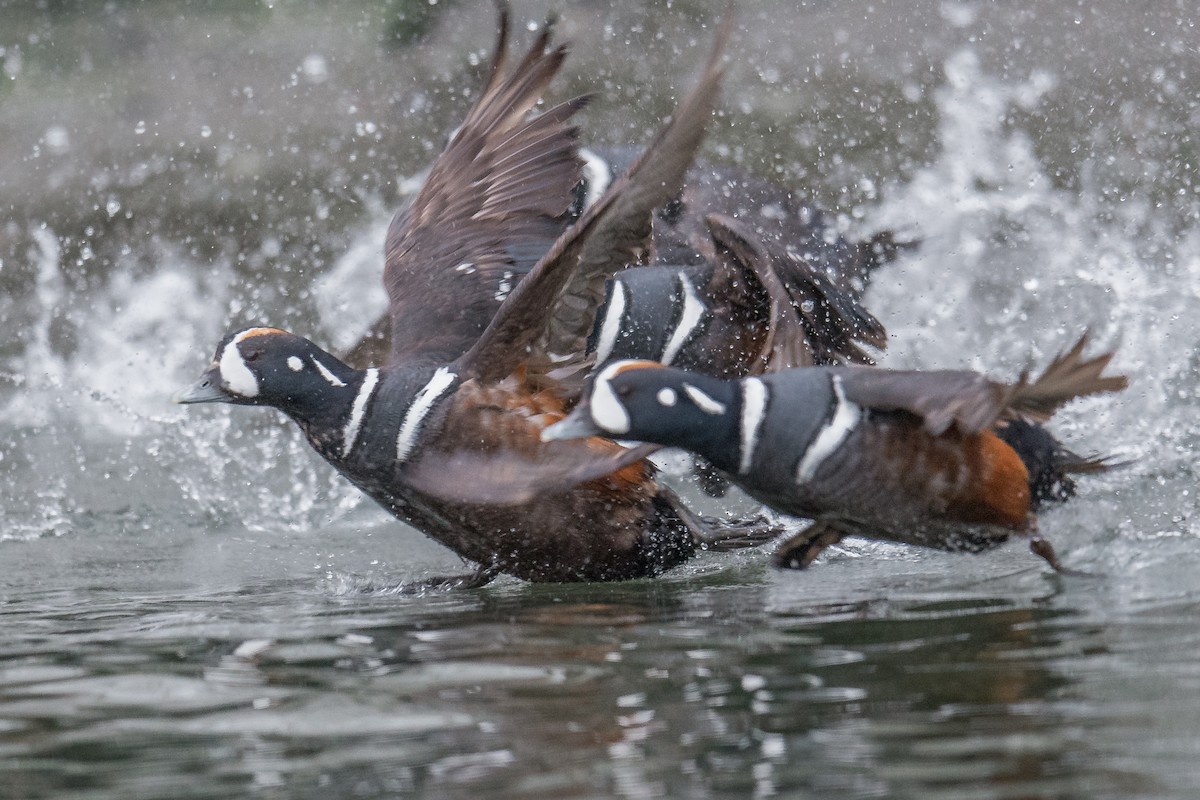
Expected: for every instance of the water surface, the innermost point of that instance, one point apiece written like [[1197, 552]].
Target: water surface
[[194, 606]]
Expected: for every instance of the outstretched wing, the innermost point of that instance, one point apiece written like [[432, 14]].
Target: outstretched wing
[[778, 217], [1069, 375], [974, 402], [488, 210], [941, 398], [545, 321], [812, 319]]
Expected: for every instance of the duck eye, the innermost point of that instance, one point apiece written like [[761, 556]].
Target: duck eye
[[252, 355], [624, 391]]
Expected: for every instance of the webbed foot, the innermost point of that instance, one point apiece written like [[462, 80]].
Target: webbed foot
[[800, 550], [724, 535], [1043, 548]]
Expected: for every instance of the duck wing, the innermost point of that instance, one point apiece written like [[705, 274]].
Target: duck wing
[[546, 319], [941, 398], [1068, 376], [487, 211], [974, 402], [510, 478], [813, 320]]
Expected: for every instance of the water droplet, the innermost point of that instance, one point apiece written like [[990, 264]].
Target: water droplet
[[57, 139], [315, 68]]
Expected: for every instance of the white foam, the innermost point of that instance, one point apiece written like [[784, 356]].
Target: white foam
[[597, 173]]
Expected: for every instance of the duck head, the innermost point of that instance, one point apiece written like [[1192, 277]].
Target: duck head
[[647, 402], [270, 367]]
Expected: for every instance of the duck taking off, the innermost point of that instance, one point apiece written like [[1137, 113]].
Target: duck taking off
[[945, 459]]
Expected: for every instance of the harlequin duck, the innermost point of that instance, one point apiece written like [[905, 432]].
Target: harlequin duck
[[462, 385], [707, 303], [736, 258], [751, 306], [733, 258], [944, 459]]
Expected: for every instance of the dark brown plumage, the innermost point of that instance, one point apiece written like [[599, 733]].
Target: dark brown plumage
[[408, 433]]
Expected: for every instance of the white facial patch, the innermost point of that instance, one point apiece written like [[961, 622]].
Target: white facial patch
[[236, 377], [689, 318], [845, 417], [410, 427], [350, 433], [666, 396], [334, 380], [754, 407], [607, 412], [703, 401], [611, 326], [295, 364]]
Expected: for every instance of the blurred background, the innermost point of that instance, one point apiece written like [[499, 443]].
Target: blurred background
[[195, 606]]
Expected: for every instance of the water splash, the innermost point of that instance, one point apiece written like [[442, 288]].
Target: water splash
[[91, 430], [1013, 268]]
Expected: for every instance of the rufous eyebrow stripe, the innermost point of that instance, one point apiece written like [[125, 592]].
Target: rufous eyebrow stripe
[[619, 367], [250, 333]]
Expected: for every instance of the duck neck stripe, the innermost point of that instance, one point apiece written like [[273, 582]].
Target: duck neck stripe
[[689, 319], [613, 318], [754, 407], [350, 434], [410, 427], [840, 424]]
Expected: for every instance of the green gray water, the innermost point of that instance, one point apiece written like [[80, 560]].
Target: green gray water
[[191, 605]]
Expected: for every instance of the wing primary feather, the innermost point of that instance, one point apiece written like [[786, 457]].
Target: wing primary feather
[[1068, 376], [611, 234], [501, 185]]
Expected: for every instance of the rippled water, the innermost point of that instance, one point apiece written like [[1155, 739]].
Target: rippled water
[[193, 606]]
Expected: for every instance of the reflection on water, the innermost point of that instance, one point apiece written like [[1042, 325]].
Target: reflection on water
[[719, 682], [193, 606]]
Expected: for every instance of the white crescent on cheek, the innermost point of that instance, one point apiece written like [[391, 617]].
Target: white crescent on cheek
[[606, 409], [235, 375]]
